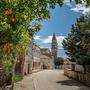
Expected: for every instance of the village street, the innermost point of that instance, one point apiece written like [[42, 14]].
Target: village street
[[49, 80]]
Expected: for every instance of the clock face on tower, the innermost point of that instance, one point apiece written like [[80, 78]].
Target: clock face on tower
[[54, 46]]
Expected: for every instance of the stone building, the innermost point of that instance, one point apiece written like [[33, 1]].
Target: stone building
[[36, 57], [24, 64], [32, 58], [54, 47], [28, 63], [46, 59], [29, 59]]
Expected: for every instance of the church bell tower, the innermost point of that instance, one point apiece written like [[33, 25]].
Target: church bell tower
[[54, 47]]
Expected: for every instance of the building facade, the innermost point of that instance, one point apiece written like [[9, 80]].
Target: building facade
[[28, 63], [24, 64], [36, 57], [32, 58], [46, 59]]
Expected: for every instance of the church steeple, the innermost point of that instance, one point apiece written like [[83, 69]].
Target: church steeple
[[54, 46], [54, 37], [54, 40]]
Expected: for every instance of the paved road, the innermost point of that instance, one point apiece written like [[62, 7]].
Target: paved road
[[25, 84], [50, 80]]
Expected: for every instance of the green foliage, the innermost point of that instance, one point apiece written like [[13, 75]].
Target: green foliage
[[19, 21], [17, 78], [17, 15], [76, 43], [7, 65], [59, 61]]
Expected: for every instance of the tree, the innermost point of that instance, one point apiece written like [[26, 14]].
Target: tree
[[59, 61], [77, 41], [19, 20]]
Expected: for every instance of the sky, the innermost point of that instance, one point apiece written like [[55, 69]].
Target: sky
[[60, 23]]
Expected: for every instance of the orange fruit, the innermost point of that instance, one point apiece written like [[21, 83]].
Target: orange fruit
[[8, 11], [13, 20]]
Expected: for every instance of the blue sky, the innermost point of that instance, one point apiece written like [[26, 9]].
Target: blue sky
[[60, 23]]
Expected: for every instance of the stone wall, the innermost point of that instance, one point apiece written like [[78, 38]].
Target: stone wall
[[80, 76]]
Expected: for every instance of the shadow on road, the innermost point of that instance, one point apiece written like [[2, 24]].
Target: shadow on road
[[73, 83], [69, 83], [84, 88]]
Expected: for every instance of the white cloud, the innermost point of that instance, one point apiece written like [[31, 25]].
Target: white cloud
[[48, 40], [60, 40], [46, 47], [69, 1], [81, 9], [69, 4], [87, 11], [37, 37], [66, 1]]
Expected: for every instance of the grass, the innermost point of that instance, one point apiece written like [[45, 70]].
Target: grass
[[17, 78]]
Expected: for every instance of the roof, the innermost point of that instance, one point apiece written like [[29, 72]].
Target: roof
[[46, 51]]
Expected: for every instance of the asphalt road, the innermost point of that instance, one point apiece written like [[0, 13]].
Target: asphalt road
[[49, 80]]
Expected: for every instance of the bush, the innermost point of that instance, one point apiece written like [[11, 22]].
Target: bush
[[17, 78]]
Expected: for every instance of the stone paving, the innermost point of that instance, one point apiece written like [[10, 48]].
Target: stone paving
[[49, 80]]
